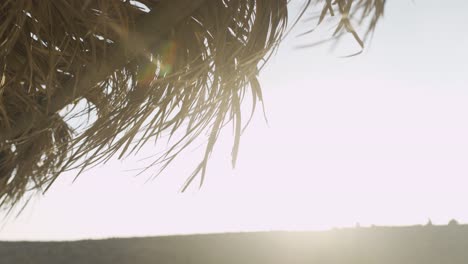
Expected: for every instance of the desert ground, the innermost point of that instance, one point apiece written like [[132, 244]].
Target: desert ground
[[361, 245]]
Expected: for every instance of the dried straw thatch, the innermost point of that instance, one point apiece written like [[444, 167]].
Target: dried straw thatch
[[140, 68]]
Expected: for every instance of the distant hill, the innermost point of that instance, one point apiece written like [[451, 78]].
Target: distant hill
[[379, 245]]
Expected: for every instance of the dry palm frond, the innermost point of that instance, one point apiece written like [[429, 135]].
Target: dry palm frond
[[143, 68], [349, 13]]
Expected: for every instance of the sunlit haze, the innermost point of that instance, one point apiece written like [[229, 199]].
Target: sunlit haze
[[376, 139]]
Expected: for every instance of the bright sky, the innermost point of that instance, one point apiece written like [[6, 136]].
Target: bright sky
[[381, 139]]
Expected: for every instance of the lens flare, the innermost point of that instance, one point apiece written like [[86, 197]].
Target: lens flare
[[168, 54], [165, 63]]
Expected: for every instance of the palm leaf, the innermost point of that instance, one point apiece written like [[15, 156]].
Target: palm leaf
[[142, 68]]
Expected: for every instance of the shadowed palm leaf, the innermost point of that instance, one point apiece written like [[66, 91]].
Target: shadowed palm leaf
[[140, 69]]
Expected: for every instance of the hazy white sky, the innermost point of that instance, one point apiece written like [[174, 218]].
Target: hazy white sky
[[381, 138]]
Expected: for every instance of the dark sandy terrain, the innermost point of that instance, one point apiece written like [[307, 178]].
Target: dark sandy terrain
[[379, 245]]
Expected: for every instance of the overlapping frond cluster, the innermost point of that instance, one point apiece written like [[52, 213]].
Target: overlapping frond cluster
[[140, 68], [356, 17]]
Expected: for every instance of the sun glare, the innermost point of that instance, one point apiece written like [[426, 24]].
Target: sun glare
[[376, 139]]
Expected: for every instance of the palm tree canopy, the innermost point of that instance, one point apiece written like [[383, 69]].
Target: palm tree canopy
[[138, 70]]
